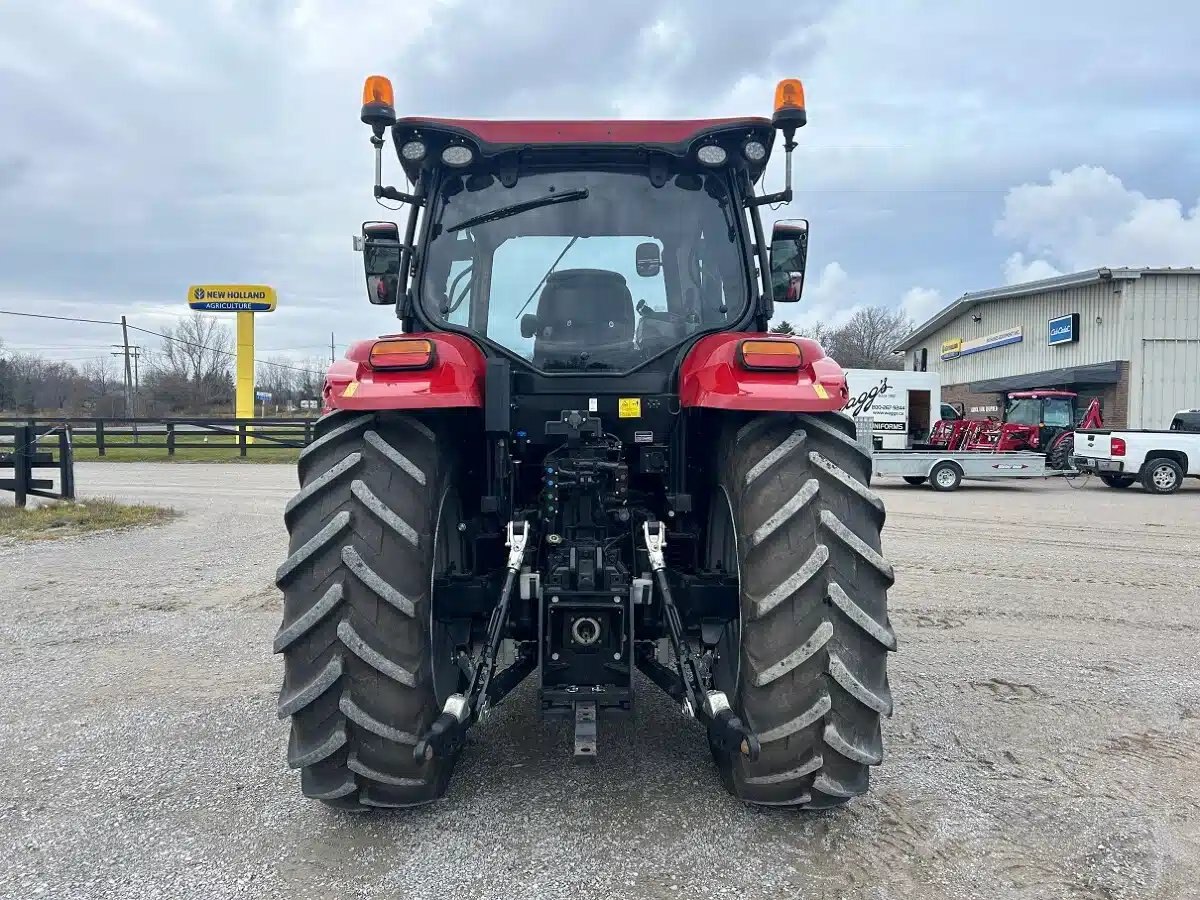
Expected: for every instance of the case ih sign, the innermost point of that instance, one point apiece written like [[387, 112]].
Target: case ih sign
[[1063, 330]]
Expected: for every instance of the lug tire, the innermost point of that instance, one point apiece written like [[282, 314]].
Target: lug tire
[[811, 679], [915, 479], [1118, 481], [1059, 455], [356, 632], [1162, 475]]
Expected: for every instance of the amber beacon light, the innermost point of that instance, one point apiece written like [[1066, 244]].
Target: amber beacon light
[[789, 104], [379, 103]]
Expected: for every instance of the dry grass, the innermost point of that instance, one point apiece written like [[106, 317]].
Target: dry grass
[[48, 521]]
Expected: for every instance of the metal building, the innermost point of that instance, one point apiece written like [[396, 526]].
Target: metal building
[[1128, 336]]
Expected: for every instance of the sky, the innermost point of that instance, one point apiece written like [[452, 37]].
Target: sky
[[951, 146]]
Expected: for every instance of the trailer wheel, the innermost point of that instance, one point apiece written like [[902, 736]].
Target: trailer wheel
[[1162, 475], [805, 663], [1118, 481], [945, 476], [915, 479], [366, 668]]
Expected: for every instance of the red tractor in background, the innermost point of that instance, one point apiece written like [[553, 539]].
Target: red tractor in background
[[583, 456], [1043, 421]]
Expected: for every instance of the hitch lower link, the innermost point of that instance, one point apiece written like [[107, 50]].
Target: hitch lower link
[[461, 711], [728, 732]]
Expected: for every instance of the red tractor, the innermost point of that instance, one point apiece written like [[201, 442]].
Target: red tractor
[[1043, 421], [583, 455]]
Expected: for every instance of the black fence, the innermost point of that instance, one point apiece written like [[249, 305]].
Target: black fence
[[248, 435], [33, 448]]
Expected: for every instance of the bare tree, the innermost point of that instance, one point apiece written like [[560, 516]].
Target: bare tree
[[101, 375], [196, 361], [866, 341], [824, 335], [278, 377]]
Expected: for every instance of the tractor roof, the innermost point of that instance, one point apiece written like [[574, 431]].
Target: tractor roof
[[674, 137]]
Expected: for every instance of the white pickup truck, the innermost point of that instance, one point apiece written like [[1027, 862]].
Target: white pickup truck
[[1160, 460]]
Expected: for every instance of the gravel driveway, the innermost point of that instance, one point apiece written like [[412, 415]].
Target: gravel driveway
[[1046, 741]]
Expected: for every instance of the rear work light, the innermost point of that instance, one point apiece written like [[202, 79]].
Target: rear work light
[[402, 354], [770, 354], [1117, 447]]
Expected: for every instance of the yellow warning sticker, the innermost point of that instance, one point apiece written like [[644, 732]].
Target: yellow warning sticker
[[350, 389], [629, 407], [821, 392]]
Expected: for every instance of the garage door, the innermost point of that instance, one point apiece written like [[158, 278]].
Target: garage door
[[1170, 381]]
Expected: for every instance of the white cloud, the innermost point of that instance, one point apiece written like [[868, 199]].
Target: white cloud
[[1017, 269], [920, 304], [1087, 218], [833, 295], [827, 299]]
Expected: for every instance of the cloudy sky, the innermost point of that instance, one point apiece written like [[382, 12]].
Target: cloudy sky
[[951, 146]]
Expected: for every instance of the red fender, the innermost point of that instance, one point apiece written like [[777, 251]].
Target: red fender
[[454, 380], [711, 376]]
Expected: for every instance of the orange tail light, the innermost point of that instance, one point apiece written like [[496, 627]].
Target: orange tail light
[[402, 354], [770, 354]]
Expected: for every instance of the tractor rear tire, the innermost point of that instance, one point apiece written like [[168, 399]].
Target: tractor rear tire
[[1118, 481], [915, 480], [813, 634], [357, 638], [1058, 457]]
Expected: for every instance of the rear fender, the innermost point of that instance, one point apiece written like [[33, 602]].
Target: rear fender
[[454, 380], [712, 377]]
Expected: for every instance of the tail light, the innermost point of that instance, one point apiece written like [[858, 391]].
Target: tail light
[[402, 354], [1117, 446], [770, 354]]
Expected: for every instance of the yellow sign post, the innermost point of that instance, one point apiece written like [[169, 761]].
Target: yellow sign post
[[245, 300]]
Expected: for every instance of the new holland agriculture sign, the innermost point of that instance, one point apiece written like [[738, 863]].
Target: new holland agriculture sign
[[957, 347], [232, 297]]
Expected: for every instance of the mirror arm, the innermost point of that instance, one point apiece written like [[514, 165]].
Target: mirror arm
[[784, 196], [390, 193], [381, 191]]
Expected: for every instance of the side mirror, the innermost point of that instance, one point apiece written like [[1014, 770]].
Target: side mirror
[[789, 255], [381, 261], [647, 259], [529, 325]]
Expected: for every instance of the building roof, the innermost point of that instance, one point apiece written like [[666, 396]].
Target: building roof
[[969, 301]]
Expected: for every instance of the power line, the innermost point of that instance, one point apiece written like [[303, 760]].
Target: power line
[[165, 337], [9, 312]]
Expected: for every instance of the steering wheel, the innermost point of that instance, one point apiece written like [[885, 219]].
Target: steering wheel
[[646, 311]]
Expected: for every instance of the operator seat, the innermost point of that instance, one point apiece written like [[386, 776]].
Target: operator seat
[[583, 310]]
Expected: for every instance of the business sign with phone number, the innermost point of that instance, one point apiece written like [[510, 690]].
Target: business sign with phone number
[[883, 404]]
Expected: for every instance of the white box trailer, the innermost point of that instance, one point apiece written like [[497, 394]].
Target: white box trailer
[[904, 405]]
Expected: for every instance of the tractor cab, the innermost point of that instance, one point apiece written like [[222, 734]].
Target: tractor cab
[[1037, 418]]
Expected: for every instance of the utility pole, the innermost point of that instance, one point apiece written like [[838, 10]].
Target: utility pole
[[137, 390], [332, 360], [128, 373], [132, 387]]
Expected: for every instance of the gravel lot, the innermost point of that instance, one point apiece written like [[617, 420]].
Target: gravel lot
[[1046, 741]]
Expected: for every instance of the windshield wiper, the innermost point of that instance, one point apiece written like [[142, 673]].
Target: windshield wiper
[[524, 206]]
